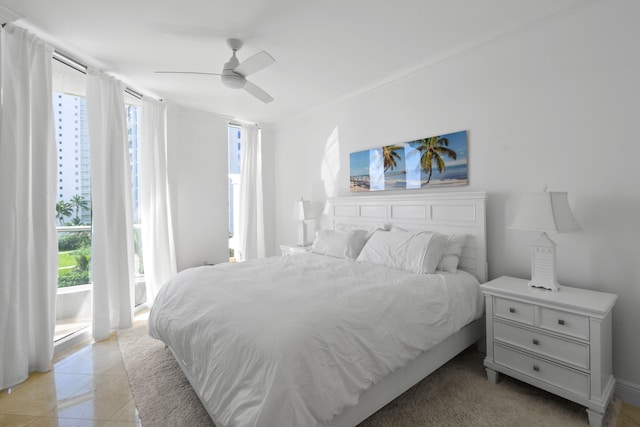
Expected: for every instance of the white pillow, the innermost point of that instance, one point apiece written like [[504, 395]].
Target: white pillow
[[339, 244], [452, 252], [341, 226], [425, 252], [415, 252]]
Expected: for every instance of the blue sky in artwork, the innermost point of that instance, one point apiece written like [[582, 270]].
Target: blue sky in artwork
[[458, 143], [359, 163]]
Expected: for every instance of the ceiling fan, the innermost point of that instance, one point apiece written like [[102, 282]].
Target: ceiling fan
[[234, 73]]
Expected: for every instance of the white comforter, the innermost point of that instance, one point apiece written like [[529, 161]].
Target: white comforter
[[293, 341]]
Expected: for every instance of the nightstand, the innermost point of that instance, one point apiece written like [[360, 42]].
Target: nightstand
[[557, 341], [294, 249]]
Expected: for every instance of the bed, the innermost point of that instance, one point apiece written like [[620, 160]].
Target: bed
[[314, 339]]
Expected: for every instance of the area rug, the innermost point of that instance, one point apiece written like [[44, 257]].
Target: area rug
[[457, 394]]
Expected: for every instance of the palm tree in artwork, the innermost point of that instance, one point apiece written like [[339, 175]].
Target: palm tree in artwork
[[390, 156], [433, 149], [78, 202], [63, 210]]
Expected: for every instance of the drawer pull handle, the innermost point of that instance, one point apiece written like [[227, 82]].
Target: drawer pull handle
[[512, 310], [560, 322], [536, 368], [536, 342]]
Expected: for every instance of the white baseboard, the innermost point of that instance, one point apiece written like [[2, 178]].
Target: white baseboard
[[628, 392]]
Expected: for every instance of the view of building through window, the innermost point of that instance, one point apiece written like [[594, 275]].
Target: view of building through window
[[74, 184], [133, 135]]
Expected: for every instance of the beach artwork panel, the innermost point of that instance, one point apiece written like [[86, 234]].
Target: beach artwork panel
[[435, 161]]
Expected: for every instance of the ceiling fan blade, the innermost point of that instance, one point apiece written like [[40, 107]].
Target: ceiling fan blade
[[258, 93], [187, 72], [254, 63]]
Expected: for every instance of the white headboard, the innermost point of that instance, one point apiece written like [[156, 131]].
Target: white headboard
[[455, 212]]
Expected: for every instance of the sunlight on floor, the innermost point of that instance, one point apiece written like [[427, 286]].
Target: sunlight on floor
[[87, 386]]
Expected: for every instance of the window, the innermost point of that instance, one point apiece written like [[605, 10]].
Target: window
[[133, 134], [73, 210], [234, 165]]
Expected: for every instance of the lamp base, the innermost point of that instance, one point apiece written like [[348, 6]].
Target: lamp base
[[543, 264], [302, 234]]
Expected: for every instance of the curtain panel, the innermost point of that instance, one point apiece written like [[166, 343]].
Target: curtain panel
[[155, 207], [251, 215], [28, 240], [111, 203]]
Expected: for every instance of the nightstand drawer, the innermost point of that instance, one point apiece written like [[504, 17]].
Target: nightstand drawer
[[562, 350], [514, 310], [565, 323], [559, 376]]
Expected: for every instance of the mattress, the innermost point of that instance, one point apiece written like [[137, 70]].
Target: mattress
[[291, 341]]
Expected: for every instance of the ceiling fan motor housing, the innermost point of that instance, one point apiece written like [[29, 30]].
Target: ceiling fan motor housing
[[229, 77]]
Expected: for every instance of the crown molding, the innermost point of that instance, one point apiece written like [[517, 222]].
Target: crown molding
[[483, 40], [8, 15]]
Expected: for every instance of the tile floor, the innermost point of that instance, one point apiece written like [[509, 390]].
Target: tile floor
[[87, 387], [629, 416]]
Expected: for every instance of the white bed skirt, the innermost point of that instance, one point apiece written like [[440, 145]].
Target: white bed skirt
[[392, 386]]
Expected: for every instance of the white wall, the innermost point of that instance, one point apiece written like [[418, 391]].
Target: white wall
[[556, 104], [197, 157], [197, 166]]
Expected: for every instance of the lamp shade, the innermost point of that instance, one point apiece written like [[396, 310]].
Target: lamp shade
[[302, 210], [547, 211]]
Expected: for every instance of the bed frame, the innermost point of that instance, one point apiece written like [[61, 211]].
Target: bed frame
[[455, 212]]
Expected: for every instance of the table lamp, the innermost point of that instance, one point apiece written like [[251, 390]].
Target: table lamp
[[546, 212], [302, 212]]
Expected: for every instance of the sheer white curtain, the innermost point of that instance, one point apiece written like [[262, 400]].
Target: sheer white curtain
[[28, 240], [157, 229], [111, 204], [251, 216]]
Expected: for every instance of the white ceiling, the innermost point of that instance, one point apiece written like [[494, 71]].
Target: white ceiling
[[324, 50]]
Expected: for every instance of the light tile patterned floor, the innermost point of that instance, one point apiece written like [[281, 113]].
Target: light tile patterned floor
[[88, 386], [629, 416]]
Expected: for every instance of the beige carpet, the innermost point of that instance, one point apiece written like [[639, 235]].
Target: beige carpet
[[457, 394]]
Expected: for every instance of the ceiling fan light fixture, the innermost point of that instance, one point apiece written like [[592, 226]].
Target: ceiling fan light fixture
[[233, 80]]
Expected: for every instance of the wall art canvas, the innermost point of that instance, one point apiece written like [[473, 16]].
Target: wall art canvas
[[435, 161]]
